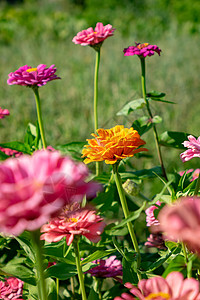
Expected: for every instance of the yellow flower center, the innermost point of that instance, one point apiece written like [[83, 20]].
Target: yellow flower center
[[155, 295], [72, 220], [141, 46], [31, 70]]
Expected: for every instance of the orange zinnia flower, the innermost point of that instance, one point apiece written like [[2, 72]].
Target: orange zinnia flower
[[112, 145]]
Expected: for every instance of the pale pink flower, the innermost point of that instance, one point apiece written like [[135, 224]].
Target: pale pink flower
[[28, 76], [142, 50], [92, 37], [4, 113], [150, 218], [181, 221], [35, 188], [193, 146], [173, 287], [110, 267], [12, 288], [83, 221]]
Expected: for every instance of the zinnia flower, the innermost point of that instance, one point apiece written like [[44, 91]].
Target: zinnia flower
[[4, 113], [12, 288], [112, 145], [142, 50], [35, 188], [193, 148], [181, 221], [110, 267], [174, 287], [92, 37], [150, 218], [11, 152], [156, 240], [83, 221], [28, 76]]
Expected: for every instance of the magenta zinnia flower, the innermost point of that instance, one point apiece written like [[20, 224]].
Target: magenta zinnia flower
[[181, 221], [12, 288], [174, 287], [110, 267], [35, 188], [142, 50], [4, 113], [28, 76], [150, 218], [83, 221], [156, 240], [193, 146], [92, 37]]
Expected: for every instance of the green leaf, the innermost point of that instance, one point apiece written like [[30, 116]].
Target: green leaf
[[132, 106], [25, 241], [156, 94], [73, 149], [61, 271], [162, 100], [97, 255], [156, 120], [93, 295], [173, 139], [57, 252], [142, 125], [18, 146], [142, 174], [177, 264], [129, 265], [3, 156]]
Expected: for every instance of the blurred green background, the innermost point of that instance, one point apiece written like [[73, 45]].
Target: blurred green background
[[40, 31]]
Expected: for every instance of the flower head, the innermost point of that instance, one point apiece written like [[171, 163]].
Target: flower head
[[193, 146], [28, 76], [181, 221], [4, 113], [174, 287], [110, 267], [156, 240], [112, 145], [35, 188], [150, 218], [12, 288], [93, 37], [82, 221], [142, 50]]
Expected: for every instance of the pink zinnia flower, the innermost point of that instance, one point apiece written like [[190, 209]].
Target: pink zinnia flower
[[181, 221], [4, 113], [150, 218], [28, 76], [12, 288], [35, 188], [193, 146], [142, 50], [83, 221], [110, 267], [92, 37], [174, 287], [11, 152]]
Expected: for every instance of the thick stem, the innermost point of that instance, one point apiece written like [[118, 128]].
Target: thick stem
[[126, 214], [143, 82], [79, 268], [189, 275], [37, 244], [197, 186], [39, 115], [96, 76]]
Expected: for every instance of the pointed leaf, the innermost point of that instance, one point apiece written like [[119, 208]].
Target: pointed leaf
[[97, 255], [131, 106], [18, 146], [173, 139]]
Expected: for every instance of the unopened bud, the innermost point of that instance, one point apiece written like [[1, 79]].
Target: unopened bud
[[131, 187]]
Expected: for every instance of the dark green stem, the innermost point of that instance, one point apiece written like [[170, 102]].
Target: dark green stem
[[144, 94], [37, 245], [79, 268], [96, 76], [197, 186], [126, 214], [39, 115]]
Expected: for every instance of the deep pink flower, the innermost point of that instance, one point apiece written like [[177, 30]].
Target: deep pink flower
[[92, 37], [174, 287], [193, 146], [28, 76], [142, 50], [4, 113], [156, 240], [35, 188], [12, 288], [110, 267], [181, 221], [150, 218], [83, 221], [11, 152]]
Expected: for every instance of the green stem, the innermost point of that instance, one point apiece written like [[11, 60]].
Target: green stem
[[39, 115], [126, 214], [143, 82], [79, 268], [197, 186], [189, 275], [96, 76], [37, 244], [57, 288]]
